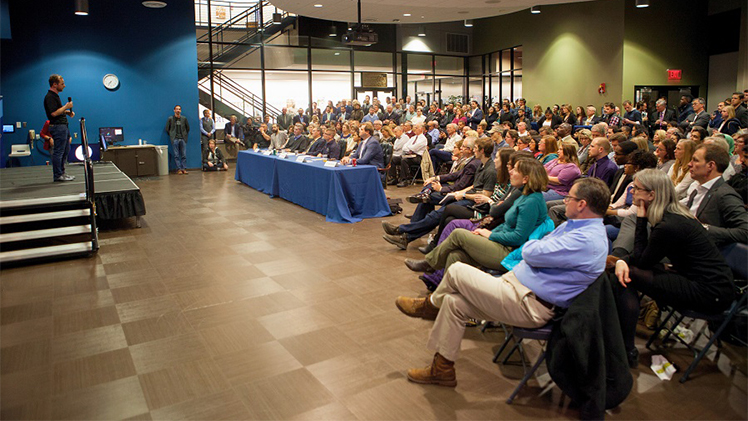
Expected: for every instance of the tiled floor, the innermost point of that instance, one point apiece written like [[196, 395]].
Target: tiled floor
[[230, 305]]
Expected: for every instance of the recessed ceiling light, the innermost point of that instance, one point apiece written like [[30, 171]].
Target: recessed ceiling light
[[154, 4], [396, 20], [407, 15], [337, 54], [640, 4], [317, 5], [535, 10], [468, 23]]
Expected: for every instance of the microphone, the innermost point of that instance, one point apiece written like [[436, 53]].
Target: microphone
[[70, 99]]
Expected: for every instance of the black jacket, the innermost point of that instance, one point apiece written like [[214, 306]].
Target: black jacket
[[722, 209], [586, 355]]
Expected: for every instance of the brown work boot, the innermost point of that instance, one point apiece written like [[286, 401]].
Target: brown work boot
[[417, 307], [440, 372]]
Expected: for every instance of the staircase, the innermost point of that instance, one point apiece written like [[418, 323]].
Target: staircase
[[53, 226], [233, 98], [231, 38]]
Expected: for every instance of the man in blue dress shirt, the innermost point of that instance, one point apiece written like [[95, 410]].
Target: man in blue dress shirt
[[554, 270]]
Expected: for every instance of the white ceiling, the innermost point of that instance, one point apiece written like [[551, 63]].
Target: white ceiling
[[422, 11]]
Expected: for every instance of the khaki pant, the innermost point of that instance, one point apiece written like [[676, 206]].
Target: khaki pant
[[464, 246], [468, 293]]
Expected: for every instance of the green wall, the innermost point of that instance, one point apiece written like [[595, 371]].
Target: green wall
[[651, 44], [570, 49]]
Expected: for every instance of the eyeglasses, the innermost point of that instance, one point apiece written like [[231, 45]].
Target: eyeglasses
[[570, 197], [635, 189]]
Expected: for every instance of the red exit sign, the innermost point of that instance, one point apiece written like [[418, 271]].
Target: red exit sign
[[674, 74]]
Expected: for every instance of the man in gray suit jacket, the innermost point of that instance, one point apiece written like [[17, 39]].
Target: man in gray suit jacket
[[699, 117], [285, 120], [714, 203]]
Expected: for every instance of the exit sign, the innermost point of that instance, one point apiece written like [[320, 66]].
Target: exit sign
[[674, 74]]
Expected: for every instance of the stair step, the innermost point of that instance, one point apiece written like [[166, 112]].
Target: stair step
[[7, 204], [40, 252], [45, 233], [44, 216]]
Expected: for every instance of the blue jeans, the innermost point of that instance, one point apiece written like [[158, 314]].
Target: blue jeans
[[551, 195], [180, 153], [61, 135], [428, 222]]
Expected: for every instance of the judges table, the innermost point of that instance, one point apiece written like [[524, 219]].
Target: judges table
[[343, 194]]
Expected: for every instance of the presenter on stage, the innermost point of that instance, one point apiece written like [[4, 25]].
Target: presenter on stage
[[57, 114], [179, 128]]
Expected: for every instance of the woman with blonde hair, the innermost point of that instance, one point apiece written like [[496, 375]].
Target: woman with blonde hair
[[659, 136], [699, 278], [641, 143], [537, 112], [679, 173], [730, 124]]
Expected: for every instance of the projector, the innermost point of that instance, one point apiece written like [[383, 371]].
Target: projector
[[360, 35]]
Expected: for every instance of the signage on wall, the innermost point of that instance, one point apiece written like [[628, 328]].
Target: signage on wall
[[674, 74], [373, 80], [221, 12]]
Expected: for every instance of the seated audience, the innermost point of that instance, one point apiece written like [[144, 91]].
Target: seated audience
[[426, 217], [548, 149], [410, 155], [554, 270], [278, 137], [699, 280], [562, 172], [549, 120], [730, 123], [678, 173], [487, 248], [298, 142], [233, 134], [368, 151], [213, 159], [665, 155]]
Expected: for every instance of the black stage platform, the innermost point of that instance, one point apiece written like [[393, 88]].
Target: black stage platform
[[116, 194]]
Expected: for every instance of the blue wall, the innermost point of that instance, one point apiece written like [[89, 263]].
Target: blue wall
[[152, 51]]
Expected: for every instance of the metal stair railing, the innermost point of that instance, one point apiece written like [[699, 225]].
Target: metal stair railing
[[223, 44], [90, 190], [245, 99]]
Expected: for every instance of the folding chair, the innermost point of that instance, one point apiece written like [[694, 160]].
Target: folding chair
[[736, 257], [519, 334]]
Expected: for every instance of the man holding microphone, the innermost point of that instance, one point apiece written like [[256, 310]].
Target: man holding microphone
[[57, 114]]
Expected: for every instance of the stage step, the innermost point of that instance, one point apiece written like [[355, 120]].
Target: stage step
[[43, 252], [44, 201], [45, 216], [45, 233]]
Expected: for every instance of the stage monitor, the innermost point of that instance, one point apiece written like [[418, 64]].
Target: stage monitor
[[111, 135]]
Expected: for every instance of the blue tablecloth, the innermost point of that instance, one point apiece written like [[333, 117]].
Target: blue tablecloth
[[342, 194]]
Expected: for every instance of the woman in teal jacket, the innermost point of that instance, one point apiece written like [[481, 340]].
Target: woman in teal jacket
[[487, 248]]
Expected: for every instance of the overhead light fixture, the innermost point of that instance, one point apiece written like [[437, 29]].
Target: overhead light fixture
[[277, 18], [407, 15], [333, 31], [81, 7], [337, 54], [468, 23], [421, 31], [535, 10], [317, 5], [642, 4], [154, 4]]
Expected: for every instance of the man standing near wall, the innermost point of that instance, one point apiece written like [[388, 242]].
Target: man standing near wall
[[207, 129], [58, 126], [178, 128]]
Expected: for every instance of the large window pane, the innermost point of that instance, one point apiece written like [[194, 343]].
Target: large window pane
[[506, 86], [331, 59], [475, 66], [518, 58], [285, 58], [372, 61], [495, 89], [330, 86], [452, 89], [249, 60], [250, 81], [517, 82], [287, 89], [476, 89], [494, 62], [446, 65], [506, 60], [419, 63]]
